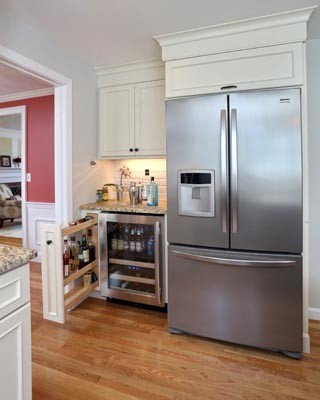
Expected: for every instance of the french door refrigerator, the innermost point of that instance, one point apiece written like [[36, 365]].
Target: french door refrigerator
[[234, 170]]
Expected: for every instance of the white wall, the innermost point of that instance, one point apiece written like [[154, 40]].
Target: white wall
[[23, 39], [313, 71]]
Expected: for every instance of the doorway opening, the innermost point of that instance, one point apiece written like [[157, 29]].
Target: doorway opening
[[12, 175], [62, 138]]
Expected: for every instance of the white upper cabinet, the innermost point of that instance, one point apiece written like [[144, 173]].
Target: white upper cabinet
[[132, 115], [258, 53], [116, 121], [239, 70], [150, 126]]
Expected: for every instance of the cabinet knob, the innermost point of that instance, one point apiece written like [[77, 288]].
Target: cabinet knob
[[49, 241], [136, 149], [131, 150]]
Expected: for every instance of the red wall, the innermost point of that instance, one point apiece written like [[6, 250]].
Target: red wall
[[39, 146]]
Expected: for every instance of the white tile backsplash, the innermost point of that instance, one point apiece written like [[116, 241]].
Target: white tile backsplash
[[157, 168]]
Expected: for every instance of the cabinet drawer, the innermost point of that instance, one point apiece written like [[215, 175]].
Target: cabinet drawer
[[273, 66], [14, 289]]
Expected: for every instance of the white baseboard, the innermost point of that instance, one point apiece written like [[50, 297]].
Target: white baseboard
[[306, 342], [38, 213], [314, 313]]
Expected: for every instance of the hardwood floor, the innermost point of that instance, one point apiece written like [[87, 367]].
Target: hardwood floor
[[11, 241], [110, 351]]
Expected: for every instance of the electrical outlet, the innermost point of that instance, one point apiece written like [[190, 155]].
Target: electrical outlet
[[28, 177]]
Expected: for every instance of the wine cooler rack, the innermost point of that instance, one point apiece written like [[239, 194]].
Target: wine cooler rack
[[131, 257]]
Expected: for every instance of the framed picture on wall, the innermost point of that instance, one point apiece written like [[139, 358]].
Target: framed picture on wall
[[5, 161]]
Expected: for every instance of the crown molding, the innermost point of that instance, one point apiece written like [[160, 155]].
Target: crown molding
[[122, 74], [27, 95], [286, 27]]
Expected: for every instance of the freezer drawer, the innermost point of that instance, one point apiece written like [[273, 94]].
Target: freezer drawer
[[244, 298]]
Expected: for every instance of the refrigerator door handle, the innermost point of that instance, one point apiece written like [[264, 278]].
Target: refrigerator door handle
[[234, 261], [234, 171], [224, 160]]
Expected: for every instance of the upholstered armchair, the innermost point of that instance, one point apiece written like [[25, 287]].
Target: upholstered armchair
[[10, 207]]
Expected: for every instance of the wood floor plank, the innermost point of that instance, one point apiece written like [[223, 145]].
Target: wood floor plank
[[111, 351]]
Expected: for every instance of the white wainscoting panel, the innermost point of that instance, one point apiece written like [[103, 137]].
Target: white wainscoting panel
[[314, 313], [38, 213]]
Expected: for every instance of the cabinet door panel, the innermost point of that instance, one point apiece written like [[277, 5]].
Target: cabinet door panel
[[150, 132], [116, 121], [15, 350]]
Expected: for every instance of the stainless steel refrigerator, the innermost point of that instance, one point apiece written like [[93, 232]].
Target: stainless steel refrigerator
[[234, 171]]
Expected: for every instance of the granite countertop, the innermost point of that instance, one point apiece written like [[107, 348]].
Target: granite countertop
[[142, 208], [13, 257]]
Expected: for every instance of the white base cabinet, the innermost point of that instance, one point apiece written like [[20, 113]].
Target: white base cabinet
[[15, 335], [15, 362]]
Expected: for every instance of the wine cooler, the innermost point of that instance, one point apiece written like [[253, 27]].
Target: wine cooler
[[132, 257]]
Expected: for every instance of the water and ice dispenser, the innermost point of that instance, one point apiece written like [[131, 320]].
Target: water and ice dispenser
[[196, 193]]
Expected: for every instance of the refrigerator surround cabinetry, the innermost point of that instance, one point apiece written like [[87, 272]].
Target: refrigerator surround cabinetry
[[274, 66], [130, 275]]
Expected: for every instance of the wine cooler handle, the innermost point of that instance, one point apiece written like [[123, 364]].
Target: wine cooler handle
[[157, 258]]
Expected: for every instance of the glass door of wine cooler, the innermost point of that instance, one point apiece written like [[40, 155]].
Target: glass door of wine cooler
[[131, 257]]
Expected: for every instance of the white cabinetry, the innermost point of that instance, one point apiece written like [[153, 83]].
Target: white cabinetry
[[61, 294], [150, 110], [268, 67], [132, 115], [15, 335], [259, 53], [116, 121]]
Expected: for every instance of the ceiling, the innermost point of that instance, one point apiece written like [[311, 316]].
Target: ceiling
[[108, 32], [13, 81]]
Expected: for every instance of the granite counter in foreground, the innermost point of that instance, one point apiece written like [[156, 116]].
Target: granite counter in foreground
[[12, 257], [115, 206]]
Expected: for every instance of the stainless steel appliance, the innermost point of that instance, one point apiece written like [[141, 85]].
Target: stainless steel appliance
[[131, 257], [235, 264]]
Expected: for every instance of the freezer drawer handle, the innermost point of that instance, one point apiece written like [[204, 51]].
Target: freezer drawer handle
[[234, 261]]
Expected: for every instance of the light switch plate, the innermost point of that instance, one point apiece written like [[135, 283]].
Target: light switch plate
[[28, 177]]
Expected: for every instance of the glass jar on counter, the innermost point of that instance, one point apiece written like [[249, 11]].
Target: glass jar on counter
[[104, 193], [99, 196]]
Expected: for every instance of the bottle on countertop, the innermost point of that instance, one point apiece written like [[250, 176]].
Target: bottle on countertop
[[152, 193], [66, 259], [145, 183], [91, 246]]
